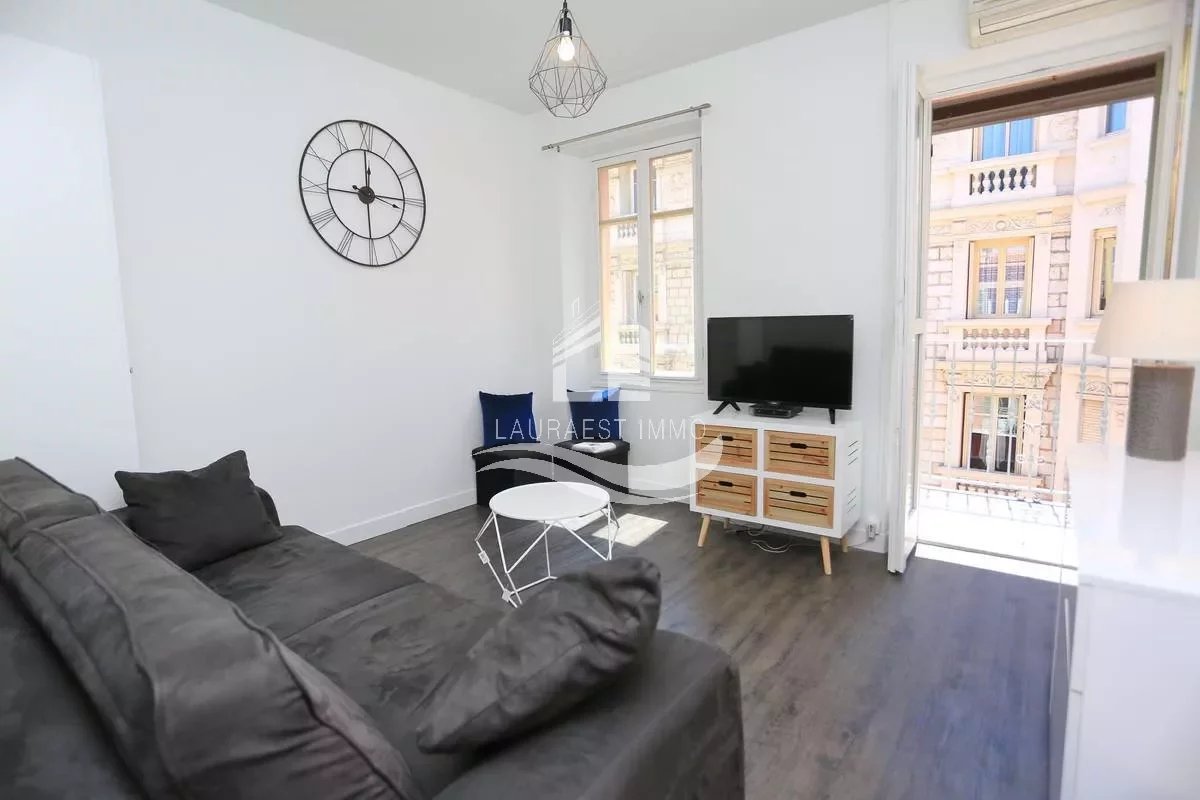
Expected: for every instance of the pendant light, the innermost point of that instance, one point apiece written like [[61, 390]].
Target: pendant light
[[567, 78]]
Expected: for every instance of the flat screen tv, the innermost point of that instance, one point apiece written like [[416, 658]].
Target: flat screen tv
[[786, 361]]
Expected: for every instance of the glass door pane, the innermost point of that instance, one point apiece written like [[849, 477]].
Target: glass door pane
[[673, 265]]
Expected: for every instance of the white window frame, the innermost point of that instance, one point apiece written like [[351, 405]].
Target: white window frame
[[643, 157]]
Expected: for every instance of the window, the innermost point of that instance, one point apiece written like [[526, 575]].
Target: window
[[998, 285], [1004, 139], [648, 252], [1115, 117], [1104, 258], [991, 432], [1091, 420]]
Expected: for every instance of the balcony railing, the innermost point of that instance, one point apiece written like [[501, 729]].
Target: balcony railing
[[1060, 393], [1004, 179], [1031, 175]]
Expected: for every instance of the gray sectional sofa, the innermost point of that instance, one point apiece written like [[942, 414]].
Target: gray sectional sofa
[[122, 676]]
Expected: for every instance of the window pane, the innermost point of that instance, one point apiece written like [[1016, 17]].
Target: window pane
[[1116, 117], [1108, 258], [991, 142], [1020, 136], [618, 302], [1005, 459], [979, 426], [989, 275], [672, 177], [618, 190], [674, 296]]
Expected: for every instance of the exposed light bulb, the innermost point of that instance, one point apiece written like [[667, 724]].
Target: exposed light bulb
[[566, 47]]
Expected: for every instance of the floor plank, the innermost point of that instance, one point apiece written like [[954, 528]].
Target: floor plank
[[931, 686]]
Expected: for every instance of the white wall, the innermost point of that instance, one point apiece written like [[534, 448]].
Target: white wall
[[795, 187], [351, 389], [65, 398]]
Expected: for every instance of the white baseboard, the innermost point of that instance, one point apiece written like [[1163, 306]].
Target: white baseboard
[[386, 523]]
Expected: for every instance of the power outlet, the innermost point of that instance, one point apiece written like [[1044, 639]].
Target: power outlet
[[872, 528]]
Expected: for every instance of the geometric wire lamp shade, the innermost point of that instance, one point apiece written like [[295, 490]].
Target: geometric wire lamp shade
[[567, 78]]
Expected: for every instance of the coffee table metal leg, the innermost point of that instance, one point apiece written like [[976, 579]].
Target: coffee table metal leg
[[483, 556]]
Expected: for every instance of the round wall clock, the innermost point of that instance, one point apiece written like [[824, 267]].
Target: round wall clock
[[362, 193]]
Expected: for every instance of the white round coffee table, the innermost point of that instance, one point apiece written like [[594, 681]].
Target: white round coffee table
[[551, 504]]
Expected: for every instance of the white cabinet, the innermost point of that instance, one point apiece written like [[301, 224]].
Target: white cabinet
[[1126, 719], [801, 474]]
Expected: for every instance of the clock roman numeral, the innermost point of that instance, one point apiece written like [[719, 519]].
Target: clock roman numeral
[[388, 149], [344, 245], [409, 227], [336, 132], [412, 171], [414, 201], [324, 161], [396, 251], [372, 258], [368, 135], [314, 187], [322, 219]]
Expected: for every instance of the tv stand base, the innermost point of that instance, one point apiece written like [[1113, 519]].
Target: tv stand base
[[725, 404]]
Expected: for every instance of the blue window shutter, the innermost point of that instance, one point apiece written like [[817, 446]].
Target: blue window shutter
[[1116, 117], [991, 143], [1020, 136]]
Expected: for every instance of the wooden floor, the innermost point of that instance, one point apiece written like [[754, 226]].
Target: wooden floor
[[863, 685]]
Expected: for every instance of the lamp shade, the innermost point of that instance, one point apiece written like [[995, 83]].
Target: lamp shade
[[1152, 320]]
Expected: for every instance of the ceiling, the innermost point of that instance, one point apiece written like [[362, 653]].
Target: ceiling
[[486, 48]]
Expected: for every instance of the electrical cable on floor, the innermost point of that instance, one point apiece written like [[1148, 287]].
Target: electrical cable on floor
[[762, 539]]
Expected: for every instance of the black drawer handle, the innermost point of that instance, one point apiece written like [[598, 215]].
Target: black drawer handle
[[795, 493], [724, 483], [725, 437], [800, 445]]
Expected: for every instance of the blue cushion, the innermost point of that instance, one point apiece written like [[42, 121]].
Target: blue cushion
[[595, 416], [507, 418]]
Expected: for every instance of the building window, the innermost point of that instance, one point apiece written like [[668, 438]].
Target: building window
[[648, 251], [998, 284], [1004, 139], [1115, 117], [1092, 420], [1104, 258], [991, 432]]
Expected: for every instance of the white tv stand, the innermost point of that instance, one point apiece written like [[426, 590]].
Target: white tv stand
[[799, 474]]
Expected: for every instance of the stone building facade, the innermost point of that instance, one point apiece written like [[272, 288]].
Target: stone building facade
[[1031, 221]]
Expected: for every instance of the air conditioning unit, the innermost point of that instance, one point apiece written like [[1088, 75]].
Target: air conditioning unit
[[1000, 20]]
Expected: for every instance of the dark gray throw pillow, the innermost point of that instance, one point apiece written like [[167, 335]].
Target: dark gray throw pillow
[[555, 650], [200, 516]]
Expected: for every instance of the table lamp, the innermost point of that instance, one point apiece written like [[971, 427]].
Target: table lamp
[[1157, 323]]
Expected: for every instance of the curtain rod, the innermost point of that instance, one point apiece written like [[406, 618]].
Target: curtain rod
[[697, 110]]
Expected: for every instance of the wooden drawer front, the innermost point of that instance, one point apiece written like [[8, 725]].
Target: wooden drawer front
[[802, 503], [728, 492], [739, 446], [801, 454]]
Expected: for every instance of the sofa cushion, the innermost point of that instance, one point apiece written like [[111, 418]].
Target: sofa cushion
[[29, 497], [507, 418], [199, 516], [299, 580], [201, 702], [572, 637], [596, 415]]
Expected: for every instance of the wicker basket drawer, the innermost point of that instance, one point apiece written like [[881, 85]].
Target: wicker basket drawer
[[727, 491], [801, 503], [739, 446], [801, 454]]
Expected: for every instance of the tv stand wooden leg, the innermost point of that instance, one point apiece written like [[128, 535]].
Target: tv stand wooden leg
[[845, 544], [703, 530], [825, 555]]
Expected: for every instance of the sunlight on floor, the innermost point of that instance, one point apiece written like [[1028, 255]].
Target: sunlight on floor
[[1009, 566], [634, 529]]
